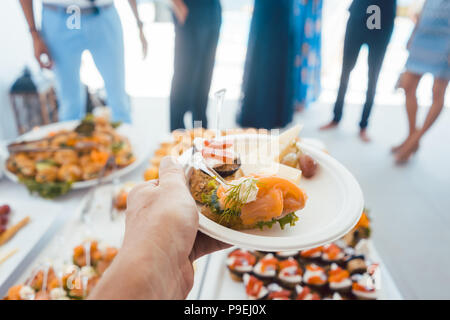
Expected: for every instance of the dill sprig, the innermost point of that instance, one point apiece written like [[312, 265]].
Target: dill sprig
[[237, 196]]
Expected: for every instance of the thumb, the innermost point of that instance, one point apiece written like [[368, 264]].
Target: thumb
[[171, 173]]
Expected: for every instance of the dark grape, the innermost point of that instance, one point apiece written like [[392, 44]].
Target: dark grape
[[308, 165], [5, 209]]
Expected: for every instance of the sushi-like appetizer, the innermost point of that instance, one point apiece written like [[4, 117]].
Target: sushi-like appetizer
[[315, 277], [305, 293], [332, 254], [276, 292], [339, 279], [266, 268], [21, 292], [283, 255], [356, 265], [254, 287], [262, 254], [311, 255], [239, 262], [364, 288], [334, 296], [360, 231], [290, 273]]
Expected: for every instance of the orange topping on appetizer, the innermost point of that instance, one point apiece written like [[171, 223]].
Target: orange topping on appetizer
[[242, 256], [99, 157], [363, 221], [332, 251], [254, 286], [279, 294], [288, 263], [359, 287], [14, 292], [313, 267], [268, 263], [337, 275], [305, 292], [311, 252]]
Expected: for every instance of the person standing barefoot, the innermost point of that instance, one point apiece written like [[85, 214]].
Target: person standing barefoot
[[429, 52], [377, 39]]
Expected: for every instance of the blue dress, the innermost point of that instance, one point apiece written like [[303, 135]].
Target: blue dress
[[268, 82], [308, 25], [430, 46]]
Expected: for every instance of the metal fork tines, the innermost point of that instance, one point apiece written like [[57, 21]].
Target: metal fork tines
[[88, 204]]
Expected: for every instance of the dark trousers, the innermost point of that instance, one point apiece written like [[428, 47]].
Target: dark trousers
[[195, 51], [377, 41]]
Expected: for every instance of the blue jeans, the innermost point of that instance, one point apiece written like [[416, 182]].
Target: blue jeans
[[101, 34]]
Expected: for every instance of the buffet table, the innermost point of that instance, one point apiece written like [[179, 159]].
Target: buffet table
[[55, 227]]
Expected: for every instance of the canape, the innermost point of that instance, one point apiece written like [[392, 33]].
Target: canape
[[254, 287], [239, 262], [332, 254], [290, 273], [315, 277], [266, 268], [311, 255], [283, 255], [276, 292], [305, 293], [339, 279], [356, 264], [364, 288]]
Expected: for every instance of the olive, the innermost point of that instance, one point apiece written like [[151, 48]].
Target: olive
[[308, 165]]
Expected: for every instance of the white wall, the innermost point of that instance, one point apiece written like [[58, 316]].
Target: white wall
[[16, 53]]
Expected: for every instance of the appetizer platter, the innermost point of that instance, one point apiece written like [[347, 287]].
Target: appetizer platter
[[346, 269], [251, 192], [73, 279], [54, 159], [79, 253]]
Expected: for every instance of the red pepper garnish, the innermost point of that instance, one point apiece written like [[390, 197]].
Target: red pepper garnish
[[279, 294], [254, 286], [241, 257]]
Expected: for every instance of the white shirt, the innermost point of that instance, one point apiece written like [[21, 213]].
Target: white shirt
[[81, 3]]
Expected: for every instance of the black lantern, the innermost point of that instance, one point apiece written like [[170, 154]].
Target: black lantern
[[33, 105]]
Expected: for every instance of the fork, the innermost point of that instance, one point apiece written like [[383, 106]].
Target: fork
[[88, 204]]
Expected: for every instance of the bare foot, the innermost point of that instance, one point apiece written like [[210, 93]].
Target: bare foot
[[330, 125], [408, 148], [396, 148], [363, 135], [400, 146]]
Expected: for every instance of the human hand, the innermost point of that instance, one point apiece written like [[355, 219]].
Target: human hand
[[161, 241], [40, 49], [180, 10]]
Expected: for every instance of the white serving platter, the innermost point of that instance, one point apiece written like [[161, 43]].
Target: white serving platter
[[334, 206], [140, 149], [218, 285]]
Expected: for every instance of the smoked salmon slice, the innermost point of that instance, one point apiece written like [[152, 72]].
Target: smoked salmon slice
[[276, 197]]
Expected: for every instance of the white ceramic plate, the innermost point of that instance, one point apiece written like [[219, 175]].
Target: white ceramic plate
[[334, 206], [139, 149]]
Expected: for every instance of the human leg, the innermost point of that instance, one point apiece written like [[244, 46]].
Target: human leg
[[105, 42]]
